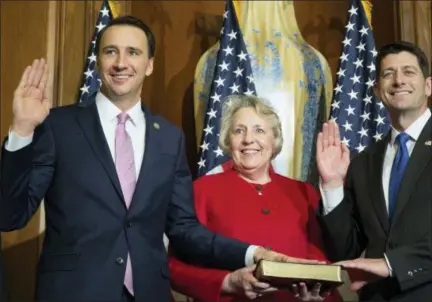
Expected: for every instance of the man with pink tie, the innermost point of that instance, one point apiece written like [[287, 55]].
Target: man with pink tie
[[114, 178]]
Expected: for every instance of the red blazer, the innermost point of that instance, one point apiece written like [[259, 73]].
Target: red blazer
[[282, 218]]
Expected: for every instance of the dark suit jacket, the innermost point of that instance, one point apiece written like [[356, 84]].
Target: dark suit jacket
[[360, 222], [88, 227]]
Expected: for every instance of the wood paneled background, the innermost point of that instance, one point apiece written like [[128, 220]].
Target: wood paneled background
[[60, 31]]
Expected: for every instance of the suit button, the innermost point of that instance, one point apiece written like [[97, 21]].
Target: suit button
[[129, 224], [120, 260], [265, 211], [410, 274]]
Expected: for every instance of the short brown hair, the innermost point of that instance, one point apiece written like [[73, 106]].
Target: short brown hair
[[398, 47], [129, 21]]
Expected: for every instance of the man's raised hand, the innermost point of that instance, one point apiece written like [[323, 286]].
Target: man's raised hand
[[32, 98]]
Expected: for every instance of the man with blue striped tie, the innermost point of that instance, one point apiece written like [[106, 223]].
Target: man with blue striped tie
[[380, 202]]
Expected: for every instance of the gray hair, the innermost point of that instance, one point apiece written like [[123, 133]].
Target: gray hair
[[234, 103]]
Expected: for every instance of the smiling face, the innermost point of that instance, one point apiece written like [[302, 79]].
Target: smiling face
[[123, 62], [402, 86], [252, 141]]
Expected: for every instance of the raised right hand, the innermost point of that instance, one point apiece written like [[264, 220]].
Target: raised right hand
[[32, 99], [332, 156], [242, 282]]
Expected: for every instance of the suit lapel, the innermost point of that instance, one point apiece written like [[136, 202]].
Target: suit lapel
[[152, 149], [376, 162], [88, 119], [419, 159]]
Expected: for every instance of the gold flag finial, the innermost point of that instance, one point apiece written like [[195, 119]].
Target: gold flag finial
[[237, 8], [367, 6], [114, 6]]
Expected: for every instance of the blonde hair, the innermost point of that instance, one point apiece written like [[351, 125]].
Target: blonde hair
[[234, 103]]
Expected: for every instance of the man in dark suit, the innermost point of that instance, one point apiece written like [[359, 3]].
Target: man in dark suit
[[384, 207], [114, 178]]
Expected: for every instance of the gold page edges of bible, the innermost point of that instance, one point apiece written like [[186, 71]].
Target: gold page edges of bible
[[283, 274]]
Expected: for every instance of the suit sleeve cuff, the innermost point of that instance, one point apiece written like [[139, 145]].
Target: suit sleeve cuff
[[249, 257], [389, 266], [16, 142], [331, 198]]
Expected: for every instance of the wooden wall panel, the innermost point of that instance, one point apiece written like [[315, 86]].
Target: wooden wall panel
[[385, 22], [415, 25], [23, 38], [71, 46], [179, 45], [322, 24], [21, 42], [415, 20]]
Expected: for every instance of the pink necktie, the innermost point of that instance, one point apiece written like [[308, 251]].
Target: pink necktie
[[125, 166]]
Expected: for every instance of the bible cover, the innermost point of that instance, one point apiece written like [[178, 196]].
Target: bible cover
[[282, 274]]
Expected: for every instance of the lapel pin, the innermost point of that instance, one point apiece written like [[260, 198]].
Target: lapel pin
[[428, 143], [156, 125]]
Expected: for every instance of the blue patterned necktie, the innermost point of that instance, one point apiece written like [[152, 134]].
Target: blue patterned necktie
[[398, 168]]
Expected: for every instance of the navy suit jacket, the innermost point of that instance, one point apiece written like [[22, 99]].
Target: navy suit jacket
[[89, 230]]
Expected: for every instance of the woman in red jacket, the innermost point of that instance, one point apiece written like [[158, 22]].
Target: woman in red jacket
[[251, 203]]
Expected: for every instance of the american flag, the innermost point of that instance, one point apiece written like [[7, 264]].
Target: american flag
[[91, 81], [233, 75], [361, 117]]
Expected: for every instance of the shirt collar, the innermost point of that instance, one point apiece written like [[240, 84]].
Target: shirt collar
[[414, 129], [109, 112]]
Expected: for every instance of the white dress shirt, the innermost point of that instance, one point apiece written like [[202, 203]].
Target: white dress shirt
[[332, 197], [135, 127]]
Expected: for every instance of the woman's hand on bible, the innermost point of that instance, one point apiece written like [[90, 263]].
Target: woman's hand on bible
[[242, 282]]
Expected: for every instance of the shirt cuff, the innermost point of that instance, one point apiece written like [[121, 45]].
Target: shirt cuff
[[16, 142], [249, 257], [389, 266], [331, 198]]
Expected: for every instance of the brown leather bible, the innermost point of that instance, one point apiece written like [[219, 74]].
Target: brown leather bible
[[284, 274]]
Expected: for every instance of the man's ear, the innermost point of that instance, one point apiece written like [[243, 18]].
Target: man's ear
[[428, 86], [376, 88], [149, 69], [97, 65]]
